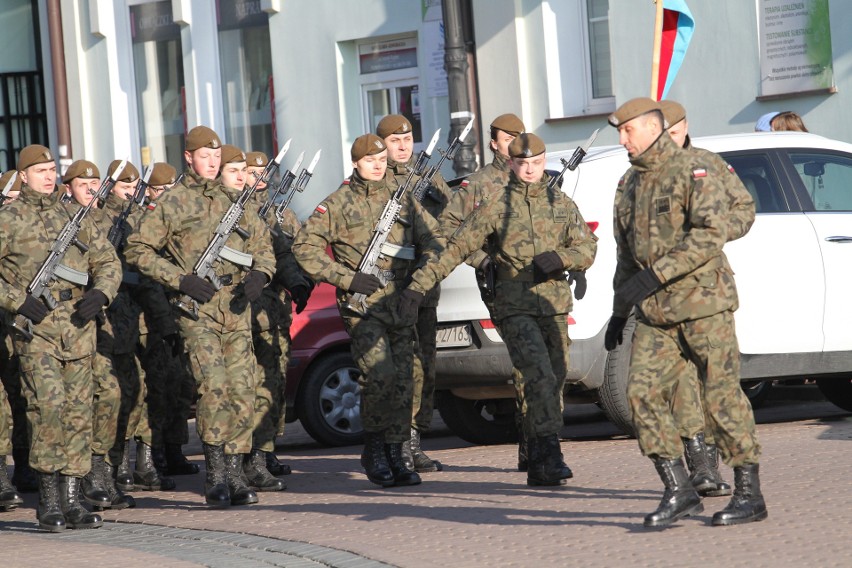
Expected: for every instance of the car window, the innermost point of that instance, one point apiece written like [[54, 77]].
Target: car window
[[827, 179], [759, 178]]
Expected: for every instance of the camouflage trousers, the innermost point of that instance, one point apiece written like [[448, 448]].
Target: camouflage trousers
[[106, 405], [661, 357], [225, 371], [688, 409], [425, 354], [272, 349], [133, 417], [5, 424], [59, 398], [11, 377], [538, 347], [384, 353], [171, 391], [517, 378]]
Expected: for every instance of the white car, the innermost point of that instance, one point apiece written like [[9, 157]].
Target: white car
[[792, 269]]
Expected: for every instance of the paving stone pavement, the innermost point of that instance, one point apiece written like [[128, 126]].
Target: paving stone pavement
[[480, 512]]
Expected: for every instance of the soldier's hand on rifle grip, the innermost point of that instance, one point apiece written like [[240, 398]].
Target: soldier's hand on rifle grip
[[614, 332], [93, 301], [197, 288], [33, 309], [365, 284]]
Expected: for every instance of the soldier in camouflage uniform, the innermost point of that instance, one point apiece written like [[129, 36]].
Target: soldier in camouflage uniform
[[671, 221], [56, 364], [477, 188], [533, 233], [382, 345], [396, 131], [219, 341], [272, 315]]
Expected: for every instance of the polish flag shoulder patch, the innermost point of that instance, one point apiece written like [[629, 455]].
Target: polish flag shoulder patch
[[346, 181], [464, 184], [731, 168], [321, 209], [699, 173], [151, 206]]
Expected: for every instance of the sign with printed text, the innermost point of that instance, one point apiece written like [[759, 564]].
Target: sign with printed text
[[795, 46]]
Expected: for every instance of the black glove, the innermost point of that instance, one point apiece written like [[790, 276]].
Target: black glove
[[253, 284], [93, 301], [197, 288], [639, 287], [547, 262], [409, 305], [578, 278], [365, 284], [300, 295], [613, 332], [174, 342], [33, 309]]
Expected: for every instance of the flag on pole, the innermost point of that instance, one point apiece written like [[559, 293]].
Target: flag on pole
[[675, 32]]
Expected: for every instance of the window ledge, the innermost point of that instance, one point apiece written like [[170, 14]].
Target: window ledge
[[576, 117], [828, 91]]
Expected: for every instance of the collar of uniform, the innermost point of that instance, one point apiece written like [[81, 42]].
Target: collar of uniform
[[40, 200], [533, 189], [398, 167], [114, 202], [360, 185], [657, 154], [501, 162]]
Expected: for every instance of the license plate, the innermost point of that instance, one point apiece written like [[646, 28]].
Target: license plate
[[454, 336]]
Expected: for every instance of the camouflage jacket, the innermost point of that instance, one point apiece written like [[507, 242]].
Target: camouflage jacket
[[671, 215], [181, 225], [478, 187], [28, 228], [345, 221], [514, 226], [740, 202]]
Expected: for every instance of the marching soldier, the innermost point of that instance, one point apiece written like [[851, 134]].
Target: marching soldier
[[56, 364], [671, 221], [395, 130], [219, 340], [533, 233], [382, 344]]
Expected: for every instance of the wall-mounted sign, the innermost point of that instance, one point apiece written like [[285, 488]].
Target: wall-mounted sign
[[388, 55]]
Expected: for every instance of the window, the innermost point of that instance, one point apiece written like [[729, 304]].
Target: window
[[759, 179], [600, 65], [827, 179]]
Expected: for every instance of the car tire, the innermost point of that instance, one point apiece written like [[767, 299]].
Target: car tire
[[329, 402], [756, 391], [612, 394], [477, 421], [838, 391]]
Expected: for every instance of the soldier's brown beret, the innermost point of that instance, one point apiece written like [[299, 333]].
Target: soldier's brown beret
[[81, 169], [257, 159], [526, 145], [631, 109], [4, 179], [162, 174], [231, 153], [508, 123], [202, 137], [128, 174], [367, 145], [393, 124], [32, 155], [673, 112]]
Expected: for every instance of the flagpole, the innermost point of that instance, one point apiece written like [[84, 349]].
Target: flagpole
[[658, 42]]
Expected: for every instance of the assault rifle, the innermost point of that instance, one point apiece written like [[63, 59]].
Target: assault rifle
[[216, 248], [298, 187], [381, 232], [419, 191], [283, 185], [52, 268], [120, 229], [5, 195]]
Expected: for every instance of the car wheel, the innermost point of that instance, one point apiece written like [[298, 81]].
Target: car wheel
[[612, 394], [756, 391], [329, 403], [483, 422], [838, 391]]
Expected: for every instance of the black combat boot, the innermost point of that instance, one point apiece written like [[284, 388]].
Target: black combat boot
[[9, 498], [275, 467], [258, 476], [216, 492], [546, 467], [680, 499], [76, 516], [158, 456], [722, 487], [92, 484], [145, 475], [123, 475], [117, 499], [402, 475], [176, 462], [49, 512], [747, 504], [421, 462], [700, 474], [239, 491], [24, 478], [374, 460]]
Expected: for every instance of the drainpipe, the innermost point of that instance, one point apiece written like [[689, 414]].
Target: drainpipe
[[456, 65], [60, 84]]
